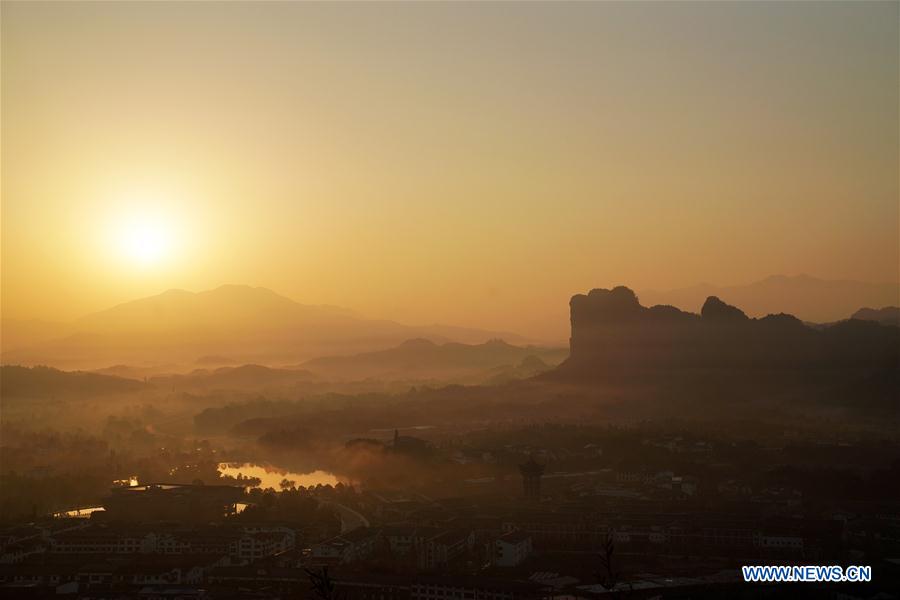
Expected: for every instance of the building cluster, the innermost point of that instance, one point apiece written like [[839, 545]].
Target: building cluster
[[239, 543], [528, 541], [428, 548], [76, 551], [69, 556]]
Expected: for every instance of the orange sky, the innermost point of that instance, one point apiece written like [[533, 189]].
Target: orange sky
[[473, 164]]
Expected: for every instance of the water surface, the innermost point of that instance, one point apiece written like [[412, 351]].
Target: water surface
[[272, 476]]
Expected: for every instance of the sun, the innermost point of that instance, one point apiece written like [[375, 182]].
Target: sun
[[145, 240], [144, 227], [147, 243]]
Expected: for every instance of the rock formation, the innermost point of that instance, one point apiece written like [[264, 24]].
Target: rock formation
[[611, 330]]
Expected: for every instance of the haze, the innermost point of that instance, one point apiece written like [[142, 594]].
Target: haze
[[433, 300], [473, 164]]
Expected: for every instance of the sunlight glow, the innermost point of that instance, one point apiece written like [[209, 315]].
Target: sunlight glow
[[146, 242], [144, 234]]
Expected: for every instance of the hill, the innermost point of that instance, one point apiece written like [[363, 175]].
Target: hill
[[40, 382], [246, 324], [424, 359], [612, 330], [245, 377], [809, 298], [889, 315], [17, 333], [720, 361]]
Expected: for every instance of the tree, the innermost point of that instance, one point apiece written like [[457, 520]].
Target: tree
[[323, 586], [608, 575]]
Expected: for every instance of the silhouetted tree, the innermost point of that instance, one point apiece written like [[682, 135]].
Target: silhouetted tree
[[323, 586], [608, 575]]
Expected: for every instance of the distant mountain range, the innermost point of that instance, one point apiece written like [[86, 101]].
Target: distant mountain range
[[889, 315], [417, 360], [246, 324], [44, 382], [245, 377], [234, 324], [424, 359], [808, 298]]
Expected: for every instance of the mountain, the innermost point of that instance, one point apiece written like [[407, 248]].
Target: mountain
[[809, 298], [40, 382], [889, 315], [246, 324], [424, 359], [612, 331], [215, 361], [141, 372], [530, 366], [245, 377], [16, 333], [239, 307]]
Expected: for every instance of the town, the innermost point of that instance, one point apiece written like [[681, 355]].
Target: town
[[585, 512]]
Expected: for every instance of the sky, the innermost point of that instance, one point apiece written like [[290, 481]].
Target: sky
[[471, 163]]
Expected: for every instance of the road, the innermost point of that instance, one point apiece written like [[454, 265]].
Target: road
[[350, 519]]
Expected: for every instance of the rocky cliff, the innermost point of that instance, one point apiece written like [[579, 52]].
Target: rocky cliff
[[612, 330]]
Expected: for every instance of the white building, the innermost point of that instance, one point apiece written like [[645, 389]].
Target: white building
[[358, 544], [512, 548]]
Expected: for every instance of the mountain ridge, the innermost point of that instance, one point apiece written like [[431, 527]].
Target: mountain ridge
[[611, 329], [249, 324], [426, 359], [42, 381], [812, 299], [888, 315]]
